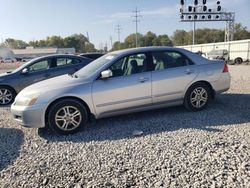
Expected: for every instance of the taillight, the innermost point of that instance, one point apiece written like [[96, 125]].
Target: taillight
[[225, 69]]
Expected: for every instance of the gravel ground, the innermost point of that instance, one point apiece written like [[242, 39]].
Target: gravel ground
[[177, 148]]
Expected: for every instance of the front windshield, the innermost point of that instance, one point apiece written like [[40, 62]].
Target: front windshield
[[94, 65], [24, 65]]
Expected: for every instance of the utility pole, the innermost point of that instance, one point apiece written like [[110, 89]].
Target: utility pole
[[87, 35], [136, 15], [118, 29], [111, 41]]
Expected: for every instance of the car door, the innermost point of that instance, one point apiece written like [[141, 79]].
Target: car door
[[128, 88], [66, 65], [172, 73], [36, 72]]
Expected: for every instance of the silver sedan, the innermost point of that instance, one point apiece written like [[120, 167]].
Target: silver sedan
[[122, 82]]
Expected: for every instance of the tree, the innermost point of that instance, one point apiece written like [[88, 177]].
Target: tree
[[208, 35], [148, 39], [129, 41], [162, 40], [55, 41], [15, 44], [181, 37], [241, 32]]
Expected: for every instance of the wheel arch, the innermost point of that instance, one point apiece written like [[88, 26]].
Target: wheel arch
[[5, 85], [63, 98], [203, 82]]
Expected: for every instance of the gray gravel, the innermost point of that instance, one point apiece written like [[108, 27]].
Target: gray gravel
[[177, 148]]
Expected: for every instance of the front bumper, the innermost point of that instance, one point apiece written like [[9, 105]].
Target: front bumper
[[32, 116]]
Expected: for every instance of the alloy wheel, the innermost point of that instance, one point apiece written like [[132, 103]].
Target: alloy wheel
[[68, 118], [199, 97], [5, 96]]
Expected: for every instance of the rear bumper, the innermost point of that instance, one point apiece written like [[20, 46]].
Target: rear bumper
[[223, 84], [32, 117]]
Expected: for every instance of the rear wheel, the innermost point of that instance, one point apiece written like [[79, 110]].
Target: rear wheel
[[67, 116], [238, 60], [7, 95], [197, 97]]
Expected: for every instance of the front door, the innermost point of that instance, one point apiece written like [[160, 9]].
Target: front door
[[37, 72], [128, 88]]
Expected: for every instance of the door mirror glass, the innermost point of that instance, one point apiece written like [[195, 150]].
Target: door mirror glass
[[106, 74], [25, 71]]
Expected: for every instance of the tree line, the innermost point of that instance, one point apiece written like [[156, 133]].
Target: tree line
[[78, 41], [179, 38], [182, 37]]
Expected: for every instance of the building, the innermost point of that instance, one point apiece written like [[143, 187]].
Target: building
[[32, 52]]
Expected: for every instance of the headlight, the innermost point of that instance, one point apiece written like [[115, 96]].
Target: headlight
[[27, 100]]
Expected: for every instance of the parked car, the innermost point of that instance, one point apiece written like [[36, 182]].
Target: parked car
[[9, 60], [93, 56], [218, 54], [37, 70], [122, 82]]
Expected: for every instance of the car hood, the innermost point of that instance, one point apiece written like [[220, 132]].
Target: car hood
[[55, 83], [4, 76]]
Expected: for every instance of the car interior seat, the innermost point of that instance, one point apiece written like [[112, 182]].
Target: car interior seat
[[132, 67]]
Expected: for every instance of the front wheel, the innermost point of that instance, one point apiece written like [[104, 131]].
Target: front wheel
[[67, 116], [7, 95], [197, 97]]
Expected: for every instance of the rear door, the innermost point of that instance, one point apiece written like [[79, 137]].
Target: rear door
[[67, 65], [172, 73]]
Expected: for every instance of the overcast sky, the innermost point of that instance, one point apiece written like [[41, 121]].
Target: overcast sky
[[36, 19]]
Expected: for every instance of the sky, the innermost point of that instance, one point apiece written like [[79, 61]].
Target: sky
[[36, 19]]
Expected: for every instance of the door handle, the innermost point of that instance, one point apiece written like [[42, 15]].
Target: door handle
[[142, 79]]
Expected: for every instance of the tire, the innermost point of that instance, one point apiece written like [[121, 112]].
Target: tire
[[238, 61], [230, 62], [7, 95], [197, 97], [67, 116]]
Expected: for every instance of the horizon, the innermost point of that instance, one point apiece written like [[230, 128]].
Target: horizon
[[30, 20]]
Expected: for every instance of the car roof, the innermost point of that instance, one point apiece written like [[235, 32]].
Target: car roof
[[146, 49], [194, 57], [59, 55]]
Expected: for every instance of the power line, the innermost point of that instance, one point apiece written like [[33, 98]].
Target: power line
[[136, 15]]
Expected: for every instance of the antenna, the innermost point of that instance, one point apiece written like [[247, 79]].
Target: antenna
[[136, 15]]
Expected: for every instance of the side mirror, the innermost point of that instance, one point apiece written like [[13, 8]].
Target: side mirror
[[106, 74], [25, 71]]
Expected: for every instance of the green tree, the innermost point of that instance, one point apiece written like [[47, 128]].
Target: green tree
[[208, 35], [15, 44], [56, 41], [148, 39], [162, 40], [129, 41], [181, 37], [241, 32]]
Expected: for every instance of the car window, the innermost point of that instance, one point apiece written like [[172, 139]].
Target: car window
[[165, 60], [66, 61], [41, 65], [129, 65]]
